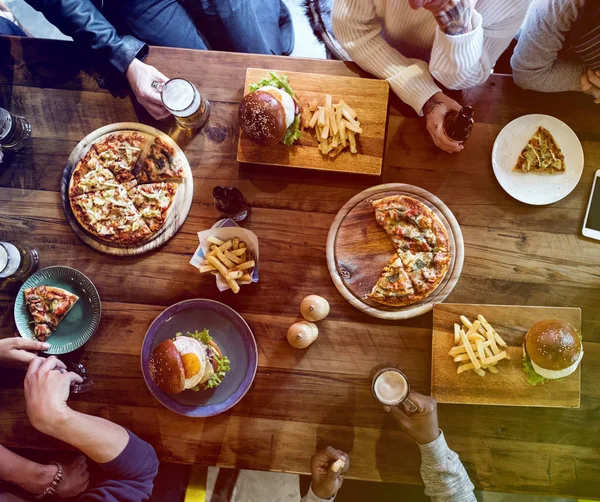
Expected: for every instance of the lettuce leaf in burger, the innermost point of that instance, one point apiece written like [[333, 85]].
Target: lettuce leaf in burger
[[270, 113]]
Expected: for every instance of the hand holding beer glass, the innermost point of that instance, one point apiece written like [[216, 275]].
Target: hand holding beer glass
[[415, 414], [184, 101]]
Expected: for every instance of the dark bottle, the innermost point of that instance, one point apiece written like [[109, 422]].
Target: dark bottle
[[230, 203], [459, 125]]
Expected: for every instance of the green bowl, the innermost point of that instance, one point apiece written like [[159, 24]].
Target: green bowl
[[81, 322]]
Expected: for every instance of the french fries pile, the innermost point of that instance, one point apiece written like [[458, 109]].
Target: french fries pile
[[336, 126], [477, 348], [231, 259]]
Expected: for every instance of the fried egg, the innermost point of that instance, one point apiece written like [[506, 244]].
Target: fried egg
[[193, 357], [289, 107]]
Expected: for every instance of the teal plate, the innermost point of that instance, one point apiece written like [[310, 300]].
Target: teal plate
[[81, 322]]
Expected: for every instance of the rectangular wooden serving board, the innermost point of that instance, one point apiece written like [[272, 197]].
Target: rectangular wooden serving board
[[368, 97], [509, 387]]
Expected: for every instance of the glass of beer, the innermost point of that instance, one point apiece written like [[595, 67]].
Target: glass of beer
[[17, 262], [184, 101], [14, 130], [391, 388]]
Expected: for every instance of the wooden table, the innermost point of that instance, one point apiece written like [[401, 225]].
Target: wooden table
[[514, 254]]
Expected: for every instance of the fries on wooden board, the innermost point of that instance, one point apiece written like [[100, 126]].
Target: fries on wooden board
[[336, 126], [477, 348], [231, 259]]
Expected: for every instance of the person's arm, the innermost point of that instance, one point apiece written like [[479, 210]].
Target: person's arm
[[129, 461], [535, 61], [357, 28], [468, 42], [327, 477], [81, 20], [443, 474], [32, 477]]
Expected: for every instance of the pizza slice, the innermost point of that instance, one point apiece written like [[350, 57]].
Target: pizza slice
[[85, 180], [119, 153], [541, 154], [160, 164], [110, 215], [394, 286], [153, 202], [48, 306], [425, 270]]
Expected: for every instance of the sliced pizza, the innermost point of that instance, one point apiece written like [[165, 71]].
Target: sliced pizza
[[153, 202], [394, 286], [410, 224], [425, 270], [48, 306], [119, 153], [111, 216], [85, 180], [160, 164], [541, 154]]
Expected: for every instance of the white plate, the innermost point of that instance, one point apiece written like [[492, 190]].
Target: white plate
[[536, 188]]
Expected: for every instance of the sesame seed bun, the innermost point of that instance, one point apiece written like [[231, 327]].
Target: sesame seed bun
[[554, 348], [262, 117], [166, 368]]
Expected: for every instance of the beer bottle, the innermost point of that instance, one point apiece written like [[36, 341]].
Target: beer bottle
[[459, 125], [230, 203], [14, 130]]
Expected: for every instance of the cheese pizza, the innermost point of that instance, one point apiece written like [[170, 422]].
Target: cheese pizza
[[422, 251], [541, 154], [48, 306], [115, 191]]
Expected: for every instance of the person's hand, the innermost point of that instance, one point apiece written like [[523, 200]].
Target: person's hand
[[325, 482], [47, 386], [452, 16], [14, 350], [76, 478], [140, 77], [590, 84], [435, 110], [421, 426]]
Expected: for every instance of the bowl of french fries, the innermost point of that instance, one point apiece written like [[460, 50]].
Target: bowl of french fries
[[478, 347], [230, 254], [336, 125]]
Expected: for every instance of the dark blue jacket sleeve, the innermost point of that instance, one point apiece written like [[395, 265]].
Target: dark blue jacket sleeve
[[81, 20], [129, 477]]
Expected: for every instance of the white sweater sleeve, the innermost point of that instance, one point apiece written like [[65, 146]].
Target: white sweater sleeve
[[462, 61], [357, 28], [535, 61]]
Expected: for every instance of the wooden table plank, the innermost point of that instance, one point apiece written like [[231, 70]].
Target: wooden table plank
[[514, 254]]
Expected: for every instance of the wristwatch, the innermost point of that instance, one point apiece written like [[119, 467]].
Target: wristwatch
[[58, 477]]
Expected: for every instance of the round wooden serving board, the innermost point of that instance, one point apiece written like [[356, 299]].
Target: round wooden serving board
[[177, 214], [358, 249]]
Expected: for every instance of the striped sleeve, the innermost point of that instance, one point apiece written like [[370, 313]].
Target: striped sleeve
[[535, 62], [443, 474], [462, 61], [357, 28]]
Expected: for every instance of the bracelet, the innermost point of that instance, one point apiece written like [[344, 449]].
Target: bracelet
[[58, 477]]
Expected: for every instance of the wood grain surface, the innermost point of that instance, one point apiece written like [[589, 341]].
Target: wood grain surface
[[358, 248], [176, 216], [368, 98], [509, 387], [514, 254]]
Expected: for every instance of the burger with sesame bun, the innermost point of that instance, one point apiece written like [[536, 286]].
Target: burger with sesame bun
[[270, 113], [552, 349], [188, 362]]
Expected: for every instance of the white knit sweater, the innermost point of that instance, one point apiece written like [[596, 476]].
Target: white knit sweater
[[391, 40]]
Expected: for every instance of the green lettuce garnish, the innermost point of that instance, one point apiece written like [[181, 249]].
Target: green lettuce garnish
[[201, 336], [293, 132], [532, 377], [276, 81]]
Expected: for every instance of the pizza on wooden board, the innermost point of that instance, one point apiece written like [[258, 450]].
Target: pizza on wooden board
[[422, 251], [541, 154], [48, 306], [116, 192]]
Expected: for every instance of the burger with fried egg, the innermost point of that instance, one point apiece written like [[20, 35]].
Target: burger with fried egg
[[552, 349], [270, 113], [188, 362]]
